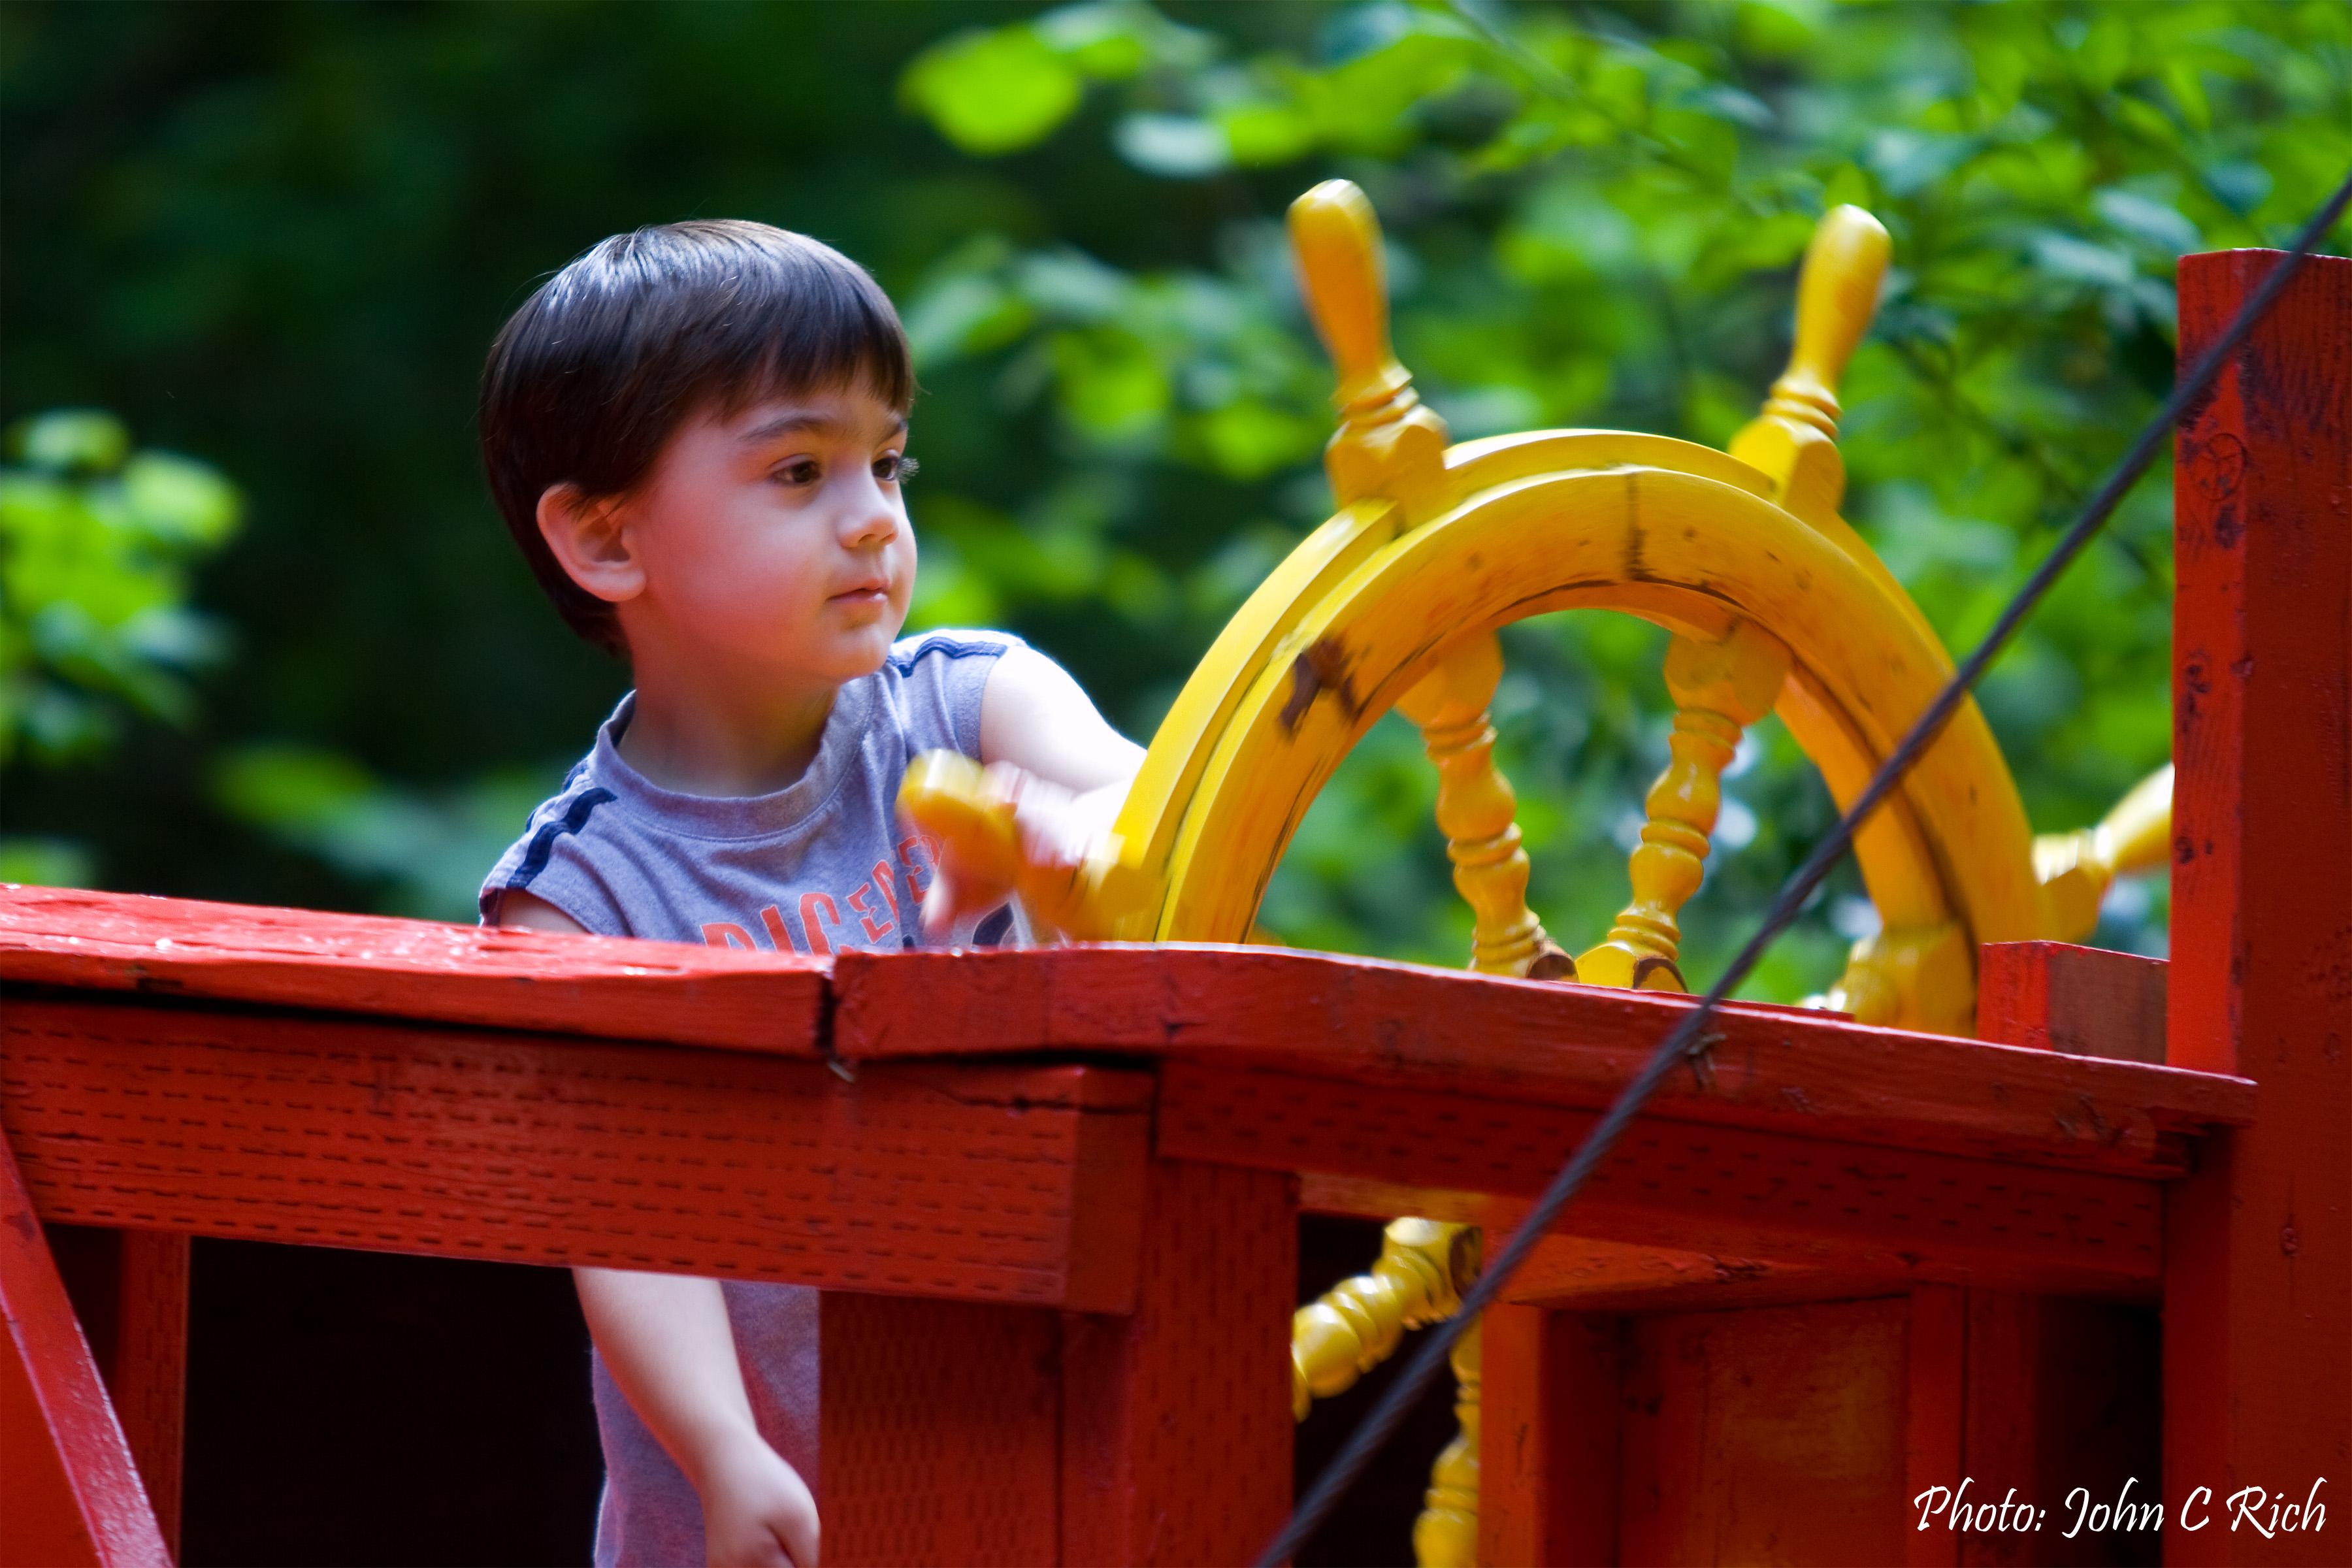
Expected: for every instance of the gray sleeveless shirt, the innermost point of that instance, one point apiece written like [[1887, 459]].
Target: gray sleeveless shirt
[[818, 867]]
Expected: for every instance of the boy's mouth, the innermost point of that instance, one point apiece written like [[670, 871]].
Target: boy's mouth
[[864, 595]]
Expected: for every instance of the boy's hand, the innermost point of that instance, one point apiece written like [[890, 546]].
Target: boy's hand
[[1056, 827], [756, 1511]]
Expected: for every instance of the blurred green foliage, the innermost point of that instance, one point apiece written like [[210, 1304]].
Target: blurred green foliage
[[96, 542], [282, 237]]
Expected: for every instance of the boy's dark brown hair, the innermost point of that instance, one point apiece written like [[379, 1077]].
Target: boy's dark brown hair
[[587, 382]]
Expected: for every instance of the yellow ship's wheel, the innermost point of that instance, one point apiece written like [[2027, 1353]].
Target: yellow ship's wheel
[[1774, 605]]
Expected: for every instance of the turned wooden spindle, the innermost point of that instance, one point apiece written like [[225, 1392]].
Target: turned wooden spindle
[[1837, 293], [1794, 438], [1445, 1535], [1719, 688], [1389, 443], [1476, 809], [1423, 1267]]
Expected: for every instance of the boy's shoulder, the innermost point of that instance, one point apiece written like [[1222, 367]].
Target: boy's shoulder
[[588, 847], [944, 646]]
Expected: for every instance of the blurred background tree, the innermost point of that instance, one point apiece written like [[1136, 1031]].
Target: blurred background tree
[[281, 238]]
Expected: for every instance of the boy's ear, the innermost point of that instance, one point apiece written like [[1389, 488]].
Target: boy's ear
[[589, 540]]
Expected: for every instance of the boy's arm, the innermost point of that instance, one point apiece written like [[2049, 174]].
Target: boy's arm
[[1065, 768], [667, 1342], [1036, 717]]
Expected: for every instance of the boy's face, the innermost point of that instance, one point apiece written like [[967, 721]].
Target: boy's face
[[776, 539]]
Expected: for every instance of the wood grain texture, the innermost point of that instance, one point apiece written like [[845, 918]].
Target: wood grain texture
[[614, 987], [963, 1181], [1782, 1068], [73, 1494], [1586, 1274], [1935, 1345], [938, 1432], [1895, 1214], [1768, 1435], [1176, 1419], [1553, 1384], [2085, 1001], [2258, 1304]]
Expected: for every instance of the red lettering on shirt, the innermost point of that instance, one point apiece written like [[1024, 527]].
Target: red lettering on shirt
[[820, 940], [719, 934], [778, 932], [869, 920], [919, 853]]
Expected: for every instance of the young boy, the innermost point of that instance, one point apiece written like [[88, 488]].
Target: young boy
[[698, 435]]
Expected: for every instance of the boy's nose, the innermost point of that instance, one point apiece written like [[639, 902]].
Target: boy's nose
[[871, 520]]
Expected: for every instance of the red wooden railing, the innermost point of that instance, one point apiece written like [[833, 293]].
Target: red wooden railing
[[1052, 1194]]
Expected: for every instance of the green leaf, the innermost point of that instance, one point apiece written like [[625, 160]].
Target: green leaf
[[1106, 41], [72, 441], [288, 786], [47, 862], [1259, 133], [995, 91], [180, 500], [1249, 439], [1175, 145]]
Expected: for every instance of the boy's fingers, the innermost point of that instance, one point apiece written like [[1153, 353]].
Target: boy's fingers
[[938, 905]]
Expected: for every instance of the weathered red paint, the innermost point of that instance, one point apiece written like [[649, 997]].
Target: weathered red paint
[[72, 1493], [502, 977], [976, 1182], [2084, 1001], [2258, 1298]]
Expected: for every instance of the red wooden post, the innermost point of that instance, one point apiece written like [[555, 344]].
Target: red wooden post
[[72, 1494], [1550, 1384], [2085, 1001], [1176, 1424], [129, 1290], [1935, 1412], [2258, 1276]]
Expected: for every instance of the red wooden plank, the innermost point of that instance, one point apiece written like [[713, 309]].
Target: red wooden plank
[[129, 1291], [505, 977], [1776, 1067], [1768, 1435], [72, 1488], [939, 1432], [2085, 1001], [1935, 1410], [1553, 1387], [1901, 1215], [966, 1181], [149, 1375], [2258, 1304], [1176, 1420]]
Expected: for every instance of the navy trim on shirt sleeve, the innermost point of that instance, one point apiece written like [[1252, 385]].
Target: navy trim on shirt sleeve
[[543, 843], [904, 663]]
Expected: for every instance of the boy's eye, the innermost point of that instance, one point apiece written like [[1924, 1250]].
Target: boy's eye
[[896, 468], [800, 471]]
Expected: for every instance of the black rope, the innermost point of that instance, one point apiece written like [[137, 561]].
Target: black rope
[[1377, 1428]]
